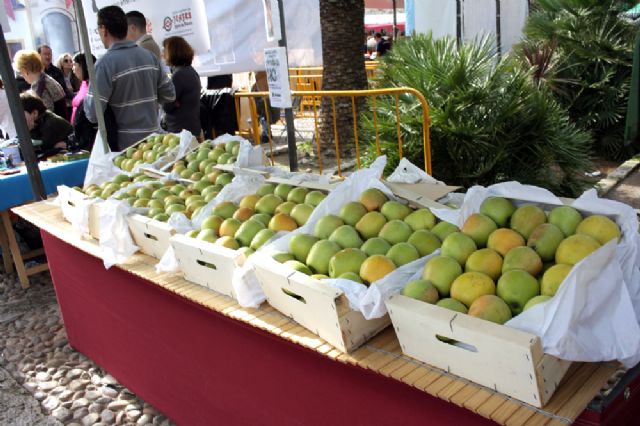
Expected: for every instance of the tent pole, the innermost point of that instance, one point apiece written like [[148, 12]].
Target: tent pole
[[498, 29], [458, 23], [288, 112], [395, 22], [17, 112], [82, 24]]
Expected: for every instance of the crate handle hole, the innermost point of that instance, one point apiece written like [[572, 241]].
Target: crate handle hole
[[150, 237], [207, 265], [456, 343], [295, 296], [71, 203]]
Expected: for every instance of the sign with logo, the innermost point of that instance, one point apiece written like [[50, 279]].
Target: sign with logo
[[275, 63], [184, 18]]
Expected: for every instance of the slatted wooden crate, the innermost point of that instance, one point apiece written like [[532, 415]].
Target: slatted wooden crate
[[71, 200], [507, 360], [207, 264], [152, 236], [319, 307]]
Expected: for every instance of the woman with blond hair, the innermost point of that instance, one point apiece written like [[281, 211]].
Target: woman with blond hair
[[29, 64], [71, 82], [184, 112]]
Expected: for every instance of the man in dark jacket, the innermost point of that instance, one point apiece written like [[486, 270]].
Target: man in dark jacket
[[44, 125]]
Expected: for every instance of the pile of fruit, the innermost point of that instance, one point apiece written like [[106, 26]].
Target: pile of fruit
[[163, 199], [200, 163], [148, 151], [367, 240], [253, 221], [507, 259]]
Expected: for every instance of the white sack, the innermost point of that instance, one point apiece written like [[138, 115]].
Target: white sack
[[407, 172]]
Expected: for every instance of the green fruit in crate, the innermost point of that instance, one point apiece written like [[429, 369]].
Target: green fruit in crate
[[424, 241], [160, 194], [375, 246], [202, 168], [575, 248], [375, 268], [351, 276], [247, 231], [178, 168], [371, 224], [143, 193], [201, 185], [297, 195], [402, 253], [498, 209], [503, 240], [129, 152], [191, 157], [321, 277], [536, 301], [268, 204], [224, 158], [527, 218], [210, 196], [208, 235], [118, 161], [212, 222], [261, 238], [487, 261], [421, 290], [326, 225], [209, 190], [553, 277], [600, 228], [566, 218], [249, 201], [346, 260], [300, 246], [282, 190], [231, 160], [262, 217], [229, 227], [479, 226], [441, 271], [346, 237], [523, 258], [228, 147], [516, 288], [225, 209], [209, 169], [394, 210], [490, 308], [545, 240], [192, 234], [298, 266], [177, 189], [471, 285], [301, 212], [458, 246], [224, 179], [141, 202], [352, 212], [149, 157], [173, 199], [443, 229], [421, 219], [154, 212], [266, 189], [121, 179], [214, 154], [395, 231], [243, 214], [131, 200], [282, 222], [314, 198], [194, 165], [161, 217], [202, 153], [193, 199], [452, 305], [186, 174], [373, 199], [282, 257], [320, 255], [174, 208], [235, 150], [228, 242], [246, 251], [196, 176], [285, 207]]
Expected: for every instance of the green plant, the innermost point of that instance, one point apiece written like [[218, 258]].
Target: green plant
[[592, 57], [489, 123]]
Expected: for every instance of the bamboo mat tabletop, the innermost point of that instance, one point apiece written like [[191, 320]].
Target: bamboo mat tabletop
[[381, 355]]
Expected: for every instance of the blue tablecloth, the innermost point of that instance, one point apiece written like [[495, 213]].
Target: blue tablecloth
[[16, 189]]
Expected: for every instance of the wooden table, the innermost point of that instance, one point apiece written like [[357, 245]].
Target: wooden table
[[255, 365]]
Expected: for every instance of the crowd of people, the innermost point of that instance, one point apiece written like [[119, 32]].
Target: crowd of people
[[136, 90]]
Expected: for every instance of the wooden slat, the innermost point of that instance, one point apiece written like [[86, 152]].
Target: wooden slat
[[381, 354]]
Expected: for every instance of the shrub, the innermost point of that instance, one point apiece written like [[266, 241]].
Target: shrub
[[489, 123]]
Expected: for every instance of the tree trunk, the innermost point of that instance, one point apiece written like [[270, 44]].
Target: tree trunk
[[342, 23]]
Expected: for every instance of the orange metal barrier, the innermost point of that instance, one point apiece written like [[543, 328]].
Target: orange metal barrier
[[249, 124]]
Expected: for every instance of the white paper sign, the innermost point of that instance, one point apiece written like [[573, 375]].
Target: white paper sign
[[275, 61]]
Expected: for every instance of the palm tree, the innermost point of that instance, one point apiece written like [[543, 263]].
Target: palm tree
[[342, 24]]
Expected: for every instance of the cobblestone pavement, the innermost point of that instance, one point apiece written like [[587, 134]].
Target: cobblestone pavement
[[43, 381]]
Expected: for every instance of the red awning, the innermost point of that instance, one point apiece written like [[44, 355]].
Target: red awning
[[383, 4]]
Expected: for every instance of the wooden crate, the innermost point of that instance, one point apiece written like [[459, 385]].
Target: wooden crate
[[152, 236], [504, 359], [317, 306], [207, 264], [70, 202]]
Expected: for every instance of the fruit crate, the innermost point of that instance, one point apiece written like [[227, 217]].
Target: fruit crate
[[504, 359], [207, 264], [161, 161], [70, 202], [152, 236], [317, 306]]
